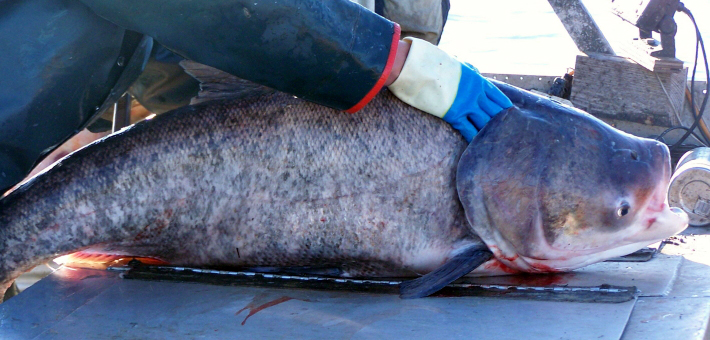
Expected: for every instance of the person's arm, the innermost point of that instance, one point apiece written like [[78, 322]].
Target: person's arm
[[435, 82], [335, 53], [400, 57]]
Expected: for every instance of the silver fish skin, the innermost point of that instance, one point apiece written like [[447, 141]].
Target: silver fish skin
[[273, 181]]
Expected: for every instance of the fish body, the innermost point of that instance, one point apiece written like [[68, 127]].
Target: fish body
[[278, 182], [273, 181]]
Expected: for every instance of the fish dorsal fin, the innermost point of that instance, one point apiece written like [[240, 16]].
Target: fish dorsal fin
[[216, 84], [459, 265]]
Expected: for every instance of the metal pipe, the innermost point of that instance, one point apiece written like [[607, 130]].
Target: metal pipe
[[581, 26], [122, 118]]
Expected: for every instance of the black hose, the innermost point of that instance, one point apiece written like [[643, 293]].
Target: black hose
[[699, 44]]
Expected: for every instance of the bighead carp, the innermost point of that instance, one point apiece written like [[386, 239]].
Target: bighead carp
[[278, 182]]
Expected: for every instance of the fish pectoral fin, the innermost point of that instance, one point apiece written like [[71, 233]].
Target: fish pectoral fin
[[11, 291], [453, 269], [216, 84]]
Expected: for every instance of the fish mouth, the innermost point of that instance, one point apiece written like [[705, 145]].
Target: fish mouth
[[659, 220]]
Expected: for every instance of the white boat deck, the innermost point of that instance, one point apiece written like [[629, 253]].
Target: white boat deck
[[672, 302]]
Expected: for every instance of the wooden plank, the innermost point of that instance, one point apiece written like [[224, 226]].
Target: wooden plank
[[617, 88], [639, 52]]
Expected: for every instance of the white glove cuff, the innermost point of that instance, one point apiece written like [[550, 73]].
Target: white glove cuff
[[429, 79]]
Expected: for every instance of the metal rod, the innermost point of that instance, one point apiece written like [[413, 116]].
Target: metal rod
[[581, 26], [122, 118]]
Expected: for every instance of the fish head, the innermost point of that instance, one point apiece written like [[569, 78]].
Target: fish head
[[550, 188]]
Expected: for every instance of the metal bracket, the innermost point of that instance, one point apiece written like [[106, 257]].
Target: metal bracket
[[122, 112]]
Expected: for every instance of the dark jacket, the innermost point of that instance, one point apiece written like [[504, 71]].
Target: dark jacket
[[65, 61]]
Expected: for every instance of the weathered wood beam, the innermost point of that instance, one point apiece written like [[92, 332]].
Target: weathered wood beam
[[616, 88], [581, 26]]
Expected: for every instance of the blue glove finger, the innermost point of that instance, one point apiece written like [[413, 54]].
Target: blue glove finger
[[465, 127], [478, 120], [490, 108], [495, 95]]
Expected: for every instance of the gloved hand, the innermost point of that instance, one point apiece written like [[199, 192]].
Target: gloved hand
[[434, 82]]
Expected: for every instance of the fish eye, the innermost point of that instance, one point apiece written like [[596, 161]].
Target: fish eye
[[634, 155], [623, 209]]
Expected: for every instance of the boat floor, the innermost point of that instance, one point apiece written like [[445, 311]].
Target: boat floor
[[671, 300]]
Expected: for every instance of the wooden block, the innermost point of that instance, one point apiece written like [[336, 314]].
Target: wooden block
[[638, 51], [617, 88]]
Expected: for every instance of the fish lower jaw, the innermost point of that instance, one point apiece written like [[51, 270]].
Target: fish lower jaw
[[553, 260], [654, 227], [533, 265]]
